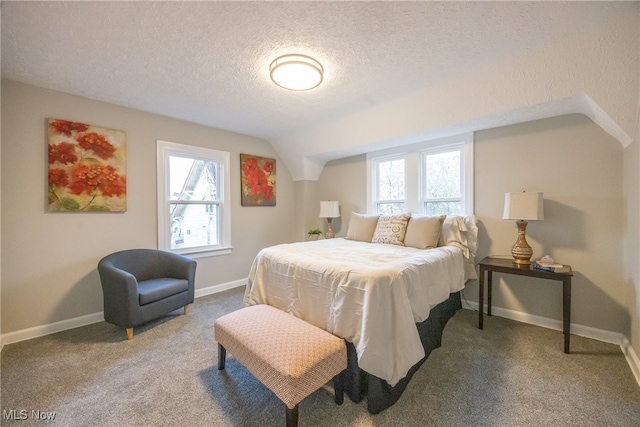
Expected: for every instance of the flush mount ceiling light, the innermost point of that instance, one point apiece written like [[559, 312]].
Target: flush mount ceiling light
[[296, 72]]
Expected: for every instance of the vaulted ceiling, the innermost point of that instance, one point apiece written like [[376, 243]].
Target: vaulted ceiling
[[395, 72]]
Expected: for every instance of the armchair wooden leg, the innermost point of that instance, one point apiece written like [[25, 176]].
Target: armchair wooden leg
[[186, 309], [129, 334]]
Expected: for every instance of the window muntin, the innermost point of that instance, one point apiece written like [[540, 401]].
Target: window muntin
[[193, 217]]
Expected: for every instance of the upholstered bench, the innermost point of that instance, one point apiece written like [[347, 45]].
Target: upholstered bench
[[288, 355]]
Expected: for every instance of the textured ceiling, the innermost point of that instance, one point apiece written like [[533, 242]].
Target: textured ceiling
[[207, 62]]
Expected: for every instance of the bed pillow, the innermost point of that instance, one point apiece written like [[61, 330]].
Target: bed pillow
[[454, 233], [361, 227], [391, 229], [423, 232], [463, 233]]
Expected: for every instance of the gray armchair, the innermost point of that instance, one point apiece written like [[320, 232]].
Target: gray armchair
[[140, 285]]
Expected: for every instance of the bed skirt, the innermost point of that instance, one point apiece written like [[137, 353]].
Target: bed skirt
[[380, 395]]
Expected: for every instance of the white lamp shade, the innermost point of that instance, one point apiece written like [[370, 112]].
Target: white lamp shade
[[329, 209], [523, 206]]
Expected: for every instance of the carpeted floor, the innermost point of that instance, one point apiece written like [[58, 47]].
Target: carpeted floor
[[509, 374]]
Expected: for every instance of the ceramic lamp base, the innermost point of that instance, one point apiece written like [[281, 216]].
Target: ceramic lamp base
[[329, 234], [521, 251]]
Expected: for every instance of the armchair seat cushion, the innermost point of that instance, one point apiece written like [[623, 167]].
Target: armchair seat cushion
[[156, 289]]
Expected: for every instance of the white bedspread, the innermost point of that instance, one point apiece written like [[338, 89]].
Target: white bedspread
[[371, 294]]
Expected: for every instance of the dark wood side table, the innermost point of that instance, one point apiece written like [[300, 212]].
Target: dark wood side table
[[507, 266]]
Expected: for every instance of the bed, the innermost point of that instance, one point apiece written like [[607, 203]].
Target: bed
[[388, 300]]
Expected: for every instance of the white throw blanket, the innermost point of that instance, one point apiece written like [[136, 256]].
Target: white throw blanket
[[371, 294]]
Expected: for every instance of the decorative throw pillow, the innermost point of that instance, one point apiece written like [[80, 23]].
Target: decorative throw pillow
[[361, 227], [391, 229], [423, 232]]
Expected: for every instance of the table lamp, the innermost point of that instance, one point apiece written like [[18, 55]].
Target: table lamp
[[522, 207], [329, 209]]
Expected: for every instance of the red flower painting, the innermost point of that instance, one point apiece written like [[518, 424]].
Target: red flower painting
[[258, 180], [87, 169]]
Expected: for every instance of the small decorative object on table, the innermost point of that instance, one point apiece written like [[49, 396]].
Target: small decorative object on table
[[549, 264], [314, 234]]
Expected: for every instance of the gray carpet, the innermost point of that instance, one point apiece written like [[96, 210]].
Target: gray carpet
[[510, 374]]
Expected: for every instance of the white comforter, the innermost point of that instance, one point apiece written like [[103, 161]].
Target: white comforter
[[371, 294]]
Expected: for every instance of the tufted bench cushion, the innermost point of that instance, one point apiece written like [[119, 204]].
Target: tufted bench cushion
[[288, 355]]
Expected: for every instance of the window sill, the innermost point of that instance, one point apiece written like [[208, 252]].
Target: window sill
[[207, 253]]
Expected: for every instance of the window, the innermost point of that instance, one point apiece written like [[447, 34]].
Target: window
[[431, 178], [390, 185], [441, 180], [193, 214]]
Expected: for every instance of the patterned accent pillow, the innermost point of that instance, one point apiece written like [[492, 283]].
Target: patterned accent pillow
[[391, 229]]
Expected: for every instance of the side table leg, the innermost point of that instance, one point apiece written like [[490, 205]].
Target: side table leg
[[566, 312], [481, 297], [489, 291]]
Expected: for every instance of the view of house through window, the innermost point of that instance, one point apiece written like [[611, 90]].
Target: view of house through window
[[194, 203], [193, 216]]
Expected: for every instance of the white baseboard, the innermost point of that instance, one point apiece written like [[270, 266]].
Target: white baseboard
[[76, 322], [632, 358], [51, 328], [581, 330], [220, 288]]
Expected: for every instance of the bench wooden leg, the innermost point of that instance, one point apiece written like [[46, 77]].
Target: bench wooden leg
[[129, 334], [222, 356], [292, 416], [338, 385]]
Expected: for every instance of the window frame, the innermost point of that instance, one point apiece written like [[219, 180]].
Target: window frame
[[440, 149], [375, 183], [415, 171], [165, 150]]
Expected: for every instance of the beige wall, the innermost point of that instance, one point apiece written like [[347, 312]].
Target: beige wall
[[591, 191], [632, 238], [344, 180], [50, 259], [632, 235], [1, 343], [579, 168], [306, 196]]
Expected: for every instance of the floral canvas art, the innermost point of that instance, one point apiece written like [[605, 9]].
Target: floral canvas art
[[258, 180], [87, 168]]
